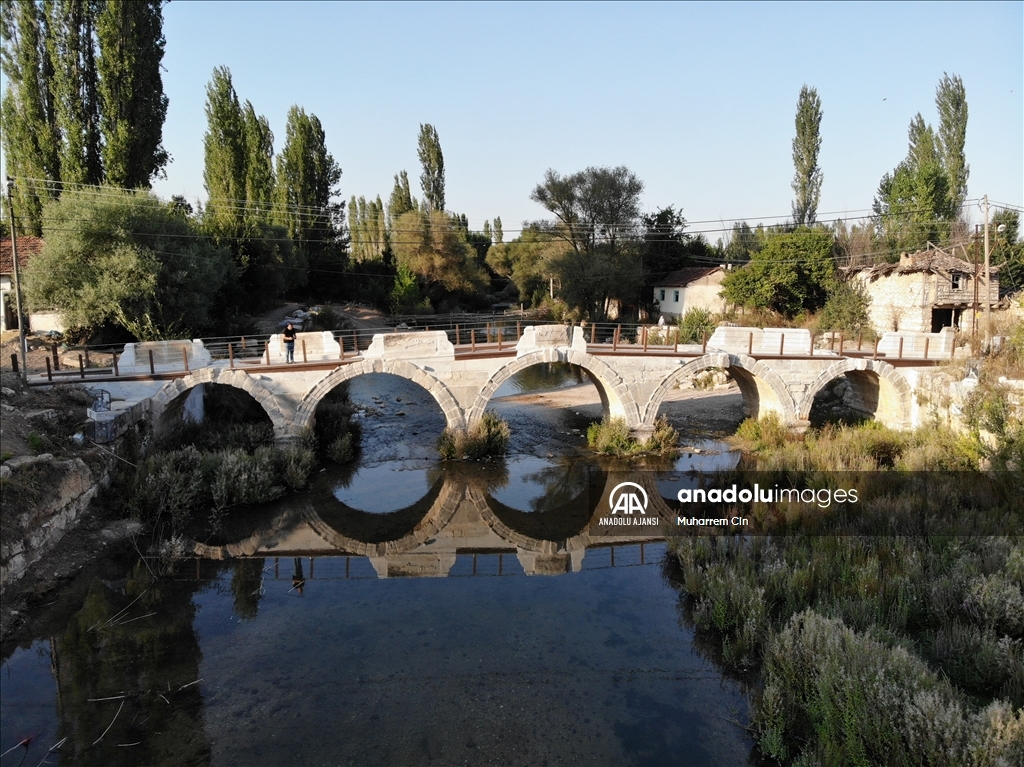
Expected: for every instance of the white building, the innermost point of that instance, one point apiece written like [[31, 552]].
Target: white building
[[692, 287]]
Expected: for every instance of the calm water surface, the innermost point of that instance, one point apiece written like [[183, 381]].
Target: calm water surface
[[295, 649]]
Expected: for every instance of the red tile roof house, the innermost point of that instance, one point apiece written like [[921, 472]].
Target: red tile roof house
[[28, 247], [694, 286]]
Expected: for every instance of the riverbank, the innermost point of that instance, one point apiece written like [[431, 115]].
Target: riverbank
[[862, 643]]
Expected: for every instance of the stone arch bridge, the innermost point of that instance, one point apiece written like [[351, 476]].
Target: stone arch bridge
[[777, 371]]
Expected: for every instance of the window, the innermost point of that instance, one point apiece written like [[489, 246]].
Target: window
[[955, 280], [676, 299], [662, 296]]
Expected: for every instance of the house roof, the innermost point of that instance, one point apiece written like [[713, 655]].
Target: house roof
[[28, 247], [935, 261], [683, 277]]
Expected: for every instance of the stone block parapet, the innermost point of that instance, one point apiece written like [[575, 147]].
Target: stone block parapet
[[319, 346], [167, 355], [939, 344], [431, 344]]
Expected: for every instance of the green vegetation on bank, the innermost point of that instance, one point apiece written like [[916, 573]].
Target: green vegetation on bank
[[488, 438], [903, 648], [611, 436], [190, 480]]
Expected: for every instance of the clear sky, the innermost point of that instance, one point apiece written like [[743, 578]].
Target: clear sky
[[697, 99]]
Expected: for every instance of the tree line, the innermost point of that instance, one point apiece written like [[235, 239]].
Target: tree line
[[82, 130]]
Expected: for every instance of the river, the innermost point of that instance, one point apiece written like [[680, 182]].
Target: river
[[402, 612]]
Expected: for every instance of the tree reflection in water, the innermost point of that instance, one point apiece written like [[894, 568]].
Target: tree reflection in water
[[127, 667]]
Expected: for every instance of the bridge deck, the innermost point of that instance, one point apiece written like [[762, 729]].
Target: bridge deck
[[492, 350]]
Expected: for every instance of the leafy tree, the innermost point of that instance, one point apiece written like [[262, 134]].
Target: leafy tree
[[846, 308], [920, 199], [401, 200], [28, 117], [405, 294], [307, 178], [1008, 249], [239, 178], [499, 236], [438, 253], [597, 213], [667, 246], [225, 155], [794, 271], [129, 259], [74, 85], [367, 229], [131, 92], [951, 103], [744, 242], [258, 141], [593, 207], [913, 201], [432, 161], [806, 145]]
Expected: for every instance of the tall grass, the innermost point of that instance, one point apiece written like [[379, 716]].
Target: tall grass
[[612, 436], [488, 438]]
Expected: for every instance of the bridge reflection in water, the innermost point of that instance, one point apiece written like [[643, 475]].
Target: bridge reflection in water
[[460, 515]]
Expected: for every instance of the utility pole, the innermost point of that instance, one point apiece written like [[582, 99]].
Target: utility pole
[[988, 287], [17, 282], [974, 315]]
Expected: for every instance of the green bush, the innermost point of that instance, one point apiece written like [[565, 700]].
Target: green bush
[[488, 438], [341, 450], [835, 697], [241, 478], [295, 464], [846, 309], [694, 324], [767, 433], [611, 436]]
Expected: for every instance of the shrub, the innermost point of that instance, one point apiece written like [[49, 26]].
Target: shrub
[[488, 438], [341, 450], [767, 433], [846, 309], [694, 324], [835, 697], [295, 464], [240, 478], [611, 436]]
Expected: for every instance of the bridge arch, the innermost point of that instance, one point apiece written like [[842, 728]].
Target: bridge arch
[[617, 400], [879, 390], [762, 388], [168, 401], [306, 412]]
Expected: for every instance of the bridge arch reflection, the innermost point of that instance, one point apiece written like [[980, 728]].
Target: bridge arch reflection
[[458, 515]]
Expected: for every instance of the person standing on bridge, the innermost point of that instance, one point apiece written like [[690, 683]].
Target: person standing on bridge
[[289, 343]]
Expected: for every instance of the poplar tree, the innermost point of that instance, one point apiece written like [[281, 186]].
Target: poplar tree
[[367, 229], [432, 161], [951, 104], [131, 92], [259, 165], [401, 200], [307, 179], [225, 155], [74, 84], [31, 139], [806, 145]]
